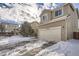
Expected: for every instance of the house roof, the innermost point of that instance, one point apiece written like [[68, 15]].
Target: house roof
[[70, 4], [45, 10], [55, 20]]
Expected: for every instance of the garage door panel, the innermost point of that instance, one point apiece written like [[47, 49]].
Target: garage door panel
[[51, 34]]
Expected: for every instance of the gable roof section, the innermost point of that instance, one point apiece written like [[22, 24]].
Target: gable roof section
[[70, 4], [45, 10]]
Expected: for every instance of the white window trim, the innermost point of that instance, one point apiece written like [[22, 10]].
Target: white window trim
[[46, 19], [61, 13]]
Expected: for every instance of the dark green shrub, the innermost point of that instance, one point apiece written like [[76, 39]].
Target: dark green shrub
[[26, 29]]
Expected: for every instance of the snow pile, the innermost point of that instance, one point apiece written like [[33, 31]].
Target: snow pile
[[12, 41], [24, 49], [21, 50], [2, 37], [34, 47], [3, 52], [68, 48], [38, 43], [17, 39]]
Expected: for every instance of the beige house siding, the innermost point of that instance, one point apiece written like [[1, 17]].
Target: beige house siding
[[49, 13], [67, 10], [68, 21], [72, 24], [50, 34], [56, 24]]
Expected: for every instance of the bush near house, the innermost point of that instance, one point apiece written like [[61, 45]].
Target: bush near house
[[26, 30]]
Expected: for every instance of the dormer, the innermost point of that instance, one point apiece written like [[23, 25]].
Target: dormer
[[66, 9], [46, 15]]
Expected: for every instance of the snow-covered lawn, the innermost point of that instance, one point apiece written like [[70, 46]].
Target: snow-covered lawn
[[19, 50], [11, 41], [24, 49], [2, 37], [67, 48], [36, 47], [15, 39]]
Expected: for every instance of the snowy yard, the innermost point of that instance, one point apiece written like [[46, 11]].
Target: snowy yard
[[13, 40], [67, 48], [29, 46], [30, 43]]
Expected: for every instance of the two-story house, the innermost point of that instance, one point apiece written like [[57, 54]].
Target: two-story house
[[58, 24]]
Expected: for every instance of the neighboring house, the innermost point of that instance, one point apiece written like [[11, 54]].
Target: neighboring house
[[8, 25], [58, 24], [2, 27], [34, 26]]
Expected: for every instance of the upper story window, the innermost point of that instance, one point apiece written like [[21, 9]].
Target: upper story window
[[45, 17], [58, 12]]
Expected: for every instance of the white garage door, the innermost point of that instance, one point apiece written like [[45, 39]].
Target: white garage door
[[50, 34]]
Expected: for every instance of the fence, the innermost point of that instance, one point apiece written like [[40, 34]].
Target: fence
[[76, 35]]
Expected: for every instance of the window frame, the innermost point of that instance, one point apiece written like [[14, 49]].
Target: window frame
[[45, 19], [58, 13]]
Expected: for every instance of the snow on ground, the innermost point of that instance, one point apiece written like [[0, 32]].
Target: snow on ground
[[19, 50], [11, 41], [67, 48], [2, 37], [34, 47], [15, 39], [24, 49]]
